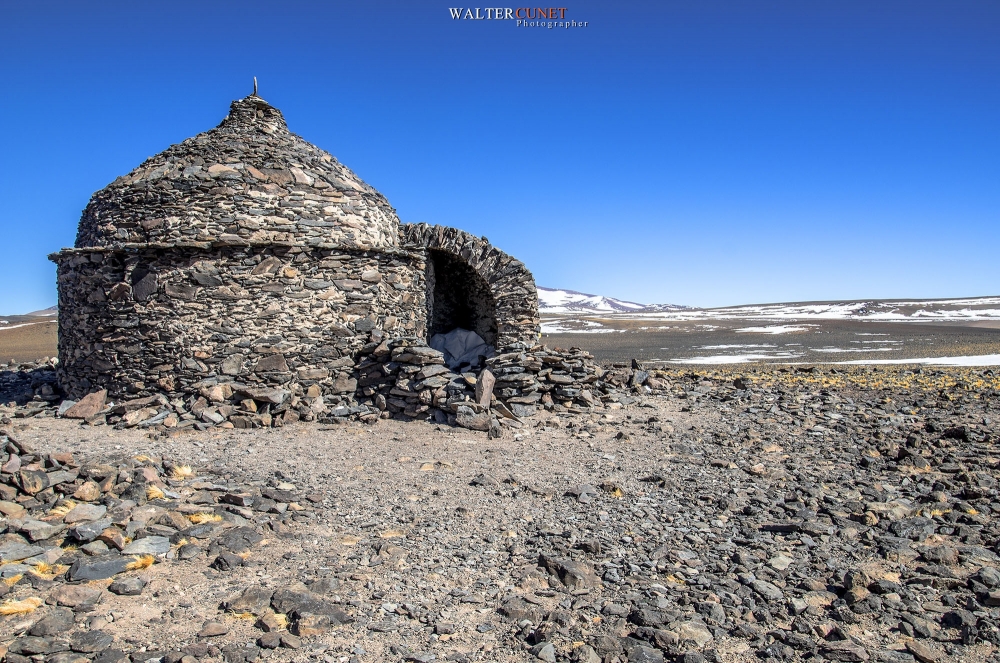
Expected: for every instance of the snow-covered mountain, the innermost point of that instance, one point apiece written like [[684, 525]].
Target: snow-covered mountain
[[970, 309], [553, 300]]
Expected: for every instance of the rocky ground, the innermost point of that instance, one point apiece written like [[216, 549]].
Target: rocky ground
[[771, 513]]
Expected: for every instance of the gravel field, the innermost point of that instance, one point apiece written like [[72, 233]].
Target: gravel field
[[794, 341], [815, 514]]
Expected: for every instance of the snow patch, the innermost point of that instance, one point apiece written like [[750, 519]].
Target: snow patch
[[734, 359], [971, 360], [734, 346], [576, 327], [775, 329], [8, 327]]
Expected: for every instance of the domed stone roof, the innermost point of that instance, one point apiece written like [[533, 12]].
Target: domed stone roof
[[247, 181]]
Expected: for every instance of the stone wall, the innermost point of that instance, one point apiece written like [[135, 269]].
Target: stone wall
[[151, 318], [510, 283], [405, 377], [398, 377]]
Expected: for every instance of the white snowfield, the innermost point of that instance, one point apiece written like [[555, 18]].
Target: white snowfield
[[970, 309], [734, 359], [744, 353], [552, 300], [855, 350], [980, 309], [570, 312], [970, 360]]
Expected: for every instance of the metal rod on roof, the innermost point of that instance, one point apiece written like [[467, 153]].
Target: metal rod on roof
[[254, 87]]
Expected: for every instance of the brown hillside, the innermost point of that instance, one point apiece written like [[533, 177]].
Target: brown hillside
[[29, 343]]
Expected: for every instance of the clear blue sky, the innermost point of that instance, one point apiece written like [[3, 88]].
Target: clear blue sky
[[703, 153]]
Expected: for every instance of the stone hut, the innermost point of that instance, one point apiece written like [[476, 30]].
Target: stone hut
[[246, 256]]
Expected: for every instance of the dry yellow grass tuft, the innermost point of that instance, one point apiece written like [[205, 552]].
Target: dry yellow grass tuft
[[21, 607], [182, 472], [201, 518], [143, 458], [153, 492], [13, 580], [141, 562], [62, 509], [48, 571]]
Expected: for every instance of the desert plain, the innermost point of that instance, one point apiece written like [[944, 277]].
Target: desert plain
[[771, 510]]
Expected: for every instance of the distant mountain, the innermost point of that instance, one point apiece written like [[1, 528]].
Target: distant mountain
[[968, 309], [553, 300], [52, 310]]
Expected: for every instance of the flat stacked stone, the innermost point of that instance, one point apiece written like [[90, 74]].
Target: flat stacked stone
[[78, 532], [248, 180]]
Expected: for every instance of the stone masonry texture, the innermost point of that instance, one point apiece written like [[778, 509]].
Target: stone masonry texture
[[249, 259]]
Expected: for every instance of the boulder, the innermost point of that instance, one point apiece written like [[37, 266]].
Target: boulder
[[88, 406]]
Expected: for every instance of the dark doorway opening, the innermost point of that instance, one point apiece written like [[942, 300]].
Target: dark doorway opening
[[457, 296]]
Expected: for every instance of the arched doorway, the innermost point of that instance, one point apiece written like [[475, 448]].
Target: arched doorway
[[458, 297], [480, 287]]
